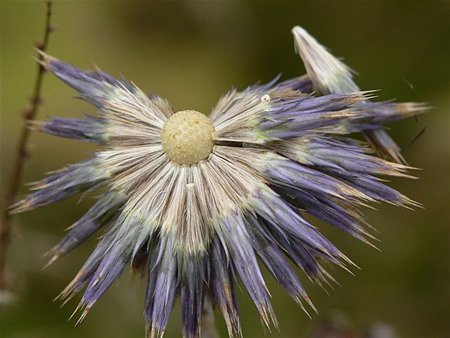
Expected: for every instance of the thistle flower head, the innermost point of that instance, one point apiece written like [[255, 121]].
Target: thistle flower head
[[194, 201]]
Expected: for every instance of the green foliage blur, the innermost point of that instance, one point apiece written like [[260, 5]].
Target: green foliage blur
[[192, 52]]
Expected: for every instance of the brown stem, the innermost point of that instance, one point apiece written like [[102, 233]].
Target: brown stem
[[22, 155], [208, 327]]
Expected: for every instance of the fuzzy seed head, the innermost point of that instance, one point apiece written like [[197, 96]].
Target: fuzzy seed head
[[187, 137]]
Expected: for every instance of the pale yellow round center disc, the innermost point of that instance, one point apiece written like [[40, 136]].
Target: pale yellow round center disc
[[187, 137]]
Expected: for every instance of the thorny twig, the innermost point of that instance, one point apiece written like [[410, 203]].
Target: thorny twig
[[22, 155]]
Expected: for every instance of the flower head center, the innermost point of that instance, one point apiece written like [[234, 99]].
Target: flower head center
[[187, 137]]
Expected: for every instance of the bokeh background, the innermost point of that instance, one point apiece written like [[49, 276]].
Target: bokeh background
[[191, 52]]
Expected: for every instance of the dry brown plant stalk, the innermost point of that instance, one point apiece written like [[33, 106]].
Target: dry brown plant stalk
[[22, 154]]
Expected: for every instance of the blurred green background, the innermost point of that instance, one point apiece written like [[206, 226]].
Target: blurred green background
[[191, 52]]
